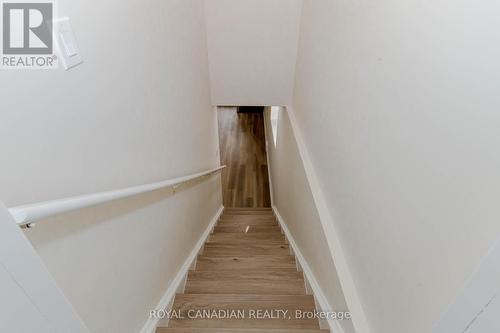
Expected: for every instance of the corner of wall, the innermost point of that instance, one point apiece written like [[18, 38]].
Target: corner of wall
[[352, 298]]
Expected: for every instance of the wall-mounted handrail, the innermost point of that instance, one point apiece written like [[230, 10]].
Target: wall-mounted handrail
[[27, 214]]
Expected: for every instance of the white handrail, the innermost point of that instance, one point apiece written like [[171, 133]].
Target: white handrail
[[27, 214]]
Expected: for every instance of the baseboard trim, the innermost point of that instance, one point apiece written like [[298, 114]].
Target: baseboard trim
[[179, 280], [319, 296]]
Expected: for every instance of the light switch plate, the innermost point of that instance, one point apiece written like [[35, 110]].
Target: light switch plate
[[68, 52]]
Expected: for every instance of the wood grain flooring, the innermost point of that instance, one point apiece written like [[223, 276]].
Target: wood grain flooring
[[245, 272], [245, 181]]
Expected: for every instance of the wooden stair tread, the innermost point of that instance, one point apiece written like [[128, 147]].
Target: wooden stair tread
[[263, 257], [239, 223], [247, 217], [246, 286], [245, 241], [279, 274], [248, 223], [235, 330], [242, 228], [239, 235], [229, 209], [244, 216], [218, 249], [244, 301], [245, 323], [240, 262], [248, 212], [245, 213], [190, 303], [237, 245], [256, 238]]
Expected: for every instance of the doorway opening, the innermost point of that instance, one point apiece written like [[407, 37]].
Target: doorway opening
[[245, 181]]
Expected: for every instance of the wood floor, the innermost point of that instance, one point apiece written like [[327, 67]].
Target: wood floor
[[246, 266], [245, 182]]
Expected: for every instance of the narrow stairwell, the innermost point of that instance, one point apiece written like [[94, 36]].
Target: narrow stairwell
[[246, 266]]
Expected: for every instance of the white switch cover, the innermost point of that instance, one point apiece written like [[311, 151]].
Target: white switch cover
[[69, 54]]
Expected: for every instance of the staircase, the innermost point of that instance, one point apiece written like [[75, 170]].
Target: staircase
[[246, 266]]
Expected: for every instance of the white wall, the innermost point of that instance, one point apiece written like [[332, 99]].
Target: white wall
[[477, 306], [488, 321], [138, 110], [293, 199], [252, 50], [28, 290], [397, 102]]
